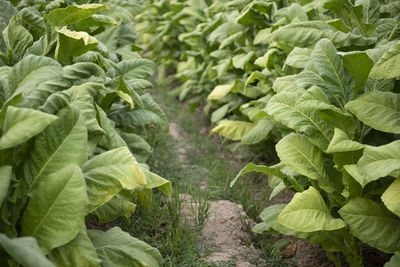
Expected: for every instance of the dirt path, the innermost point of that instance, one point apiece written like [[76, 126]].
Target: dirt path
[[224, 229]]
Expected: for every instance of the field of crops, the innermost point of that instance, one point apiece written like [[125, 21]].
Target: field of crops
[[311, 88]]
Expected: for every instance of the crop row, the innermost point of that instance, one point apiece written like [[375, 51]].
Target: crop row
[[317, 82]]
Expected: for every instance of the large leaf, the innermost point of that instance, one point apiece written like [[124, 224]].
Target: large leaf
[[391, 197], [297, 152], [379, 110], [342, 143], [233, 130], [388, 65], [114, 209], [55, 219], [31, 72], [109, 173], [79, 252], [62, 143], [118, 248], [330, 67], [21, 124], [6, 175], [139, 68], [373, 224], [71, 44], [258, 132], [359, 64], [307, 212], [308, 33], [25, 251], [72, 14], [381, 161]]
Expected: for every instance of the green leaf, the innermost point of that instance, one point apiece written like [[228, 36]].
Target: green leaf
[[109, 173], [233, 130], [138, 68], [298, 57], [73, 14], [116, 247], [307, 212], [18, 40], [388, 65], [84, 71], [114, 209], [21, 124], [251, 167], [373, 224], [71, 44], [6, 175], [260, 131], [55, 220], [220, 91], [25, 251], [31, 72], [297, 152], [342, 143], [79, 252], [330, 67], [380, 161], [220, 113], [394, 260], [391, 197], [379, 110], [62, 143], [354, 172], [359, 64], [240, 61], [308, 33]]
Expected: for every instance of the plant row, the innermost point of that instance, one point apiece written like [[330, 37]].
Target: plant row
[[320, 79], [75, 127]]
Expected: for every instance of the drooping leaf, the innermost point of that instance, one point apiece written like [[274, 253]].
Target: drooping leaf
[[379, 110], [116, 247], [61, 144], [258, 132], [21, 124], [72, 14], [307, 212], [233, 130], [109, 173], [388, 65], [114, 209], [373, 224], [391, 197], [79, 252], [55, 220], [25, 250], [342, 143]]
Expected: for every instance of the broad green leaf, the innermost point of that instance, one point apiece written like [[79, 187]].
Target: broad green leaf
[[17, 39], [307, 212], [114, 209], [233, 130], [6, 175], [32, 17], [116, 247], [330, 67], [25, 250], [111, 139], [371, 10], [220, 91], [354, 172], [72, 14], [109, 173], [261, 130], [7, 11], [136, 143], [359, 64], [380, 161], [31, 72], [220, 113], [240, 61], [79, 252], [71, 44], [62, 143], [139, 68], [289, 109], [55, 220], [21, 124], [388, 65], [251, 167], [84, 71], [391, 197], [259, 228], [155, 181], [373, 224], [308, 33], [379, 110], [297, 152], [298, 57], [394, 260], [342, 143]]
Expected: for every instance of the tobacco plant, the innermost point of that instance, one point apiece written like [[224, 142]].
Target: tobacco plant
[[75, 126]]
